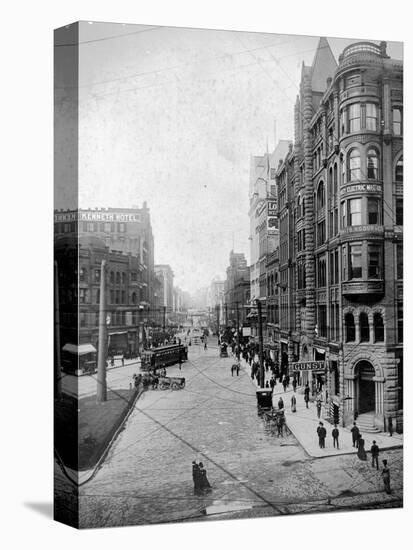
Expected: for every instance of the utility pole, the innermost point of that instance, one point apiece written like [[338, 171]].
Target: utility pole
[[236, 304], [57, 362], [260, 342], [217, 308], [226, 314], [164, 318], [101, 390]]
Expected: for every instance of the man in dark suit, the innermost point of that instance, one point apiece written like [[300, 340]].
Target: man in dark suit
[[355, 432], [374, 449], [321, 432]]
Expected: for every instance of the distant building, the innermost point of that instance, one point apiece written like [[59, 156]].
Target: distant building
[[236, 290], [165, 275]]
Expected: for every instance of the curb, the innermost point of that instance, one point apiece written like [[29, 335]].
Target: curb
[[93, 471]]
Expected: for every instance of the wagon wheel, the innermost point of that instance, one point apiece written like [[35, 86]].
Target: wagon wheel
[[183, 384], [175, 386], [162, 386]]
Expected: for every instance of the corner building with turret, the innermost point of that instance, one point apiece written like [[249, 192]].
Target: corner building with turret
[[340, 196]]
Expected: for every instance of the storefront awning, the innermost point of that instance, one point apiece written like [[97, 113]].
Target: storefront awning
[[319, 350], [82, 349]]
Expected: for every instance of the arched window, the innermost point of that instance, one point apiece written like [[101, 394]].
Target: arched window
[[123, 277], [133, 297], [372, 164], [364, 327], [350, 327], [378, 327], [353, 165], [112, 278], [330, 182], [117, 278], [399, 170], [335, 179], [320, 195]]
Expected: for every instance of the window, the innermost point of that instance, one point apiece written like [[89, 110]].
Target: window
[[354, 172], [83, 274], [399, 170], [373, 211], [117, 294], [344, 262], [354, 212], [82, 295], [90, 227], [335, 179], [335, 221], [107, 227], [322, 321], [82, 319], [122, 228], [123, 297], [355, 267], [364, 327], [123, 277], [354, 117], [350, 327], [133, 276], [112, 296], [399, 260], [96, 318], [400, 321], [378, 327], [397, 121], [321, 272], [321, 233], [97, 275], [97, 296], [117, 278], [112, 278], [374, 261], [342, 122], [399, 211], [337, 322], [320, 195], [371, 116], [372, 165]]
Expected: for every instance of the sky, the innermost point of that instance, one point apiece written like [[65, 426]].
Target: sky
[[171, 116]]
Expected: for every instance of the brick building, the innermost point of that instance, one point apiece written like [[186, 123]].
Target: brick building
[[122, 237], [236, 290], [340, 194]]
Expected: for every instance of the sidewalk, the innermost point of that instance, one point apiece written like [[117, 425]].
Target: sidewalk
[[303, 424]]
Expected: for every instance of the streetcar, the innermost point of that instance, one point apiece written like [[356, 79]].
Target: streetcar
[[163, 356]]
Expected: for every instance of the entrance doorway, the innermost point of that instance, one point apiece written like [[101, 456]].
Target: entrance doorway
[[366, 387]]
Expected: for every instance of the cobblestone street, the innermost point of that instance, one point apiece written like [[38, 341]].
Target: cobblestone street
[[147, 475]]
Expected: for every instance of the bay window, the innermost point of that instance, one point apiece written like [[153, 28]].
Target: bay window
[[355, 267], [371, 116], [354, 212], [353, 168], [354, 117], [372, 164], [374, 254]]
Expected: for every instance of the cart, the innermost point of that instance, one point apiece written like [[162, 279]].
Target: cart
[[171, 382], [223, 351], [264, 399]]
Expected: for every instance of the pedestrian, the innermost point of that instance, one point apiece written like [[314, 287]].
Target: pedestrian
[[318, 408], [280, 425], [374, 449], [238, 368], [272, 383], [293, 404], [390, 426], [203, 480], [355, 434], [196, 478], [205, 344], [280, 403], [335, 434], [361, 452], [321, 432], [294, 383], [233, 367], [287, 379], [285, 383], [306, 394], [267, 384], [180, 363], [385, 474], [252, 373], [123, 361]]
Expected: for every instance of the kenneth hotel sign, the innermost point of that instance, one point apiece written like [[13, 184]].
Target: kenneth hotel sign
[[95, 216]]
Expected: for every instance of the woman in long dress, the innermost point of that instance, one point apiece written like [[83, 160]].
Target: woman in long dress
[[361, 452], [203, 480]]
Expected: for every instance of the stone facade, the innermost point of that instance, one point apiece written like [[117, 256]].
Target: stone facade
[[340, 194]]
